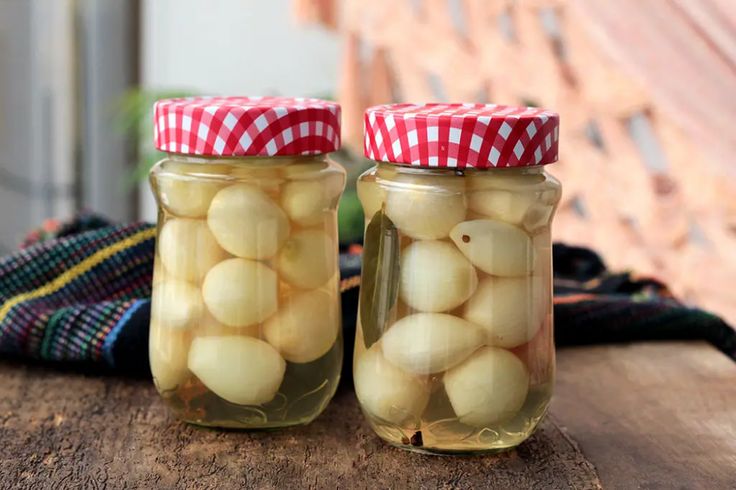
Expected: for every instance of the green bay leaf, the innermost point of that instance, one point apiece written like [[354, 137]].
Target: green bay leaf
[[380, 276]]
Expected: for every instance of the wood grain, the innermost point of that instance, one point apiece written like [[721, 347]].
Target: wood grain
[[657, 415], [66, 430], [649, 415]]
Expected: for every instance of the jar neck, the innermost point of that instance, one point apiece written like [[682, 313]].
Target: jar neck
[[411, 170], [259, 160]]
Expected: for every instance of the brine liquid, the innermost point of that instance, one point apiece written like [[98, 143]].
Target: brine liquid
[[304, 393]]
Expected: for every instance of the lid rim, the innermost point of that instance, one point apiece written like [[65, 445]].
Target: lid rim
[[460, 135], [246, 126]]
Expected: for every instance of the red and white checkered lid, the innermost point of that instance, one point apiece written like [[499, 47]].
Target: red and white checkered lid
[[461, 135], [246, 126]]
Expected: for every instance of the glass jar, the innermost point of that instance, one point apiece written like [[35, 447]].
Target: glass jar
[[454, 351], [245, 312]]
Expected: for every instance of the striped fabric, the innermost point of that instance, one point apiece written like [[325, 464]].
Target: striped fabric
[[69, 295], [79, 293]]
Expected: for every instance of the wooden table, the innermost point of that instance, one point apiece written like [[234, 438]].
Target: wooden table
[[633, 416]]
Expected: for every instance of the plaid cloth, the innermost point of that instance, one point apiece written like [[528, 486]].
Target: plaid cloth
[[78, 293]]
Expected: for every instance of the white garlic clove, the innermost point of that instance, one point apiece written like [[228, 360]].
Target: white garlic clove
[[246, 222], [241, 370], [510, 309], [488, 388], [187, 189], [372, 196], [240, 292], [307, 201], [187, 249], [434, 276], [256, 172], [495, 247], [267, 177], [209, 326], [425, 207], [167, 352], [176, 304], [426, 343], [307, 259], [503, 179], [540, 213], [305, 327], [503, 205], [298, 170], [387, 392]]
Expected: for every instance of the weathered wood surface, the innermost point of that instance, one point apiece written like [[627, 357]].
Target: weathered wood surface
[[651, 415], [646, 416], [71, 431]]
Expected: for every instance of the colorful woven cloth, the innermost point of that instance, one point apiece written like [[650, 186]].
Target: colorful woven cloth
[[78, 293]]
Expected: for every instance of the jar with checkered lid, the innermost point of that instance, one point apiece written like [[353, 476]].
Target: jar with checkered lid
[[454, 350], [245, 310]]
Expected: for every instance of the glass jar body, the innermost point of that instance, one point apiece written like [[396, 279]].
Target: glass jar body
[[454, 351], [245, 312]]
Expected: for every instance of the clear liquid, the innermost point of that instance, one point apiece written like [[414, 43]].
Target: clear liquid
[[304, 393]]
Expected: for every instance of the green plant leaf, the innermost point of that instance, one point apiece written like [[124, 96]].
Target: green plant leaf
[[380, 276]]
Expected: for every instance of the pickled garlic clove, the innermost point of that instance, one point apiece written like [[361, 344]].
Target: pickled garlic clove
[[426, 343], [186, 189], [540, 213], [299, 170], [510, 309], [372, 196], [434, 276], [246, 222], [488, 388], [209, 326], [167, 352], [176, 304], [306, 201], [240, 292], [504, 179], [188, 249], [426, 207], [305, 327], [387, 392], [307, 259], [503, 205], [241, 370], [495, 247]]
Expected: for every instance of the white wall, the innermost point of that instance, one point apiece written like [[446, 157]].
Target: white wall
[[233, 47], [236, 47]]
